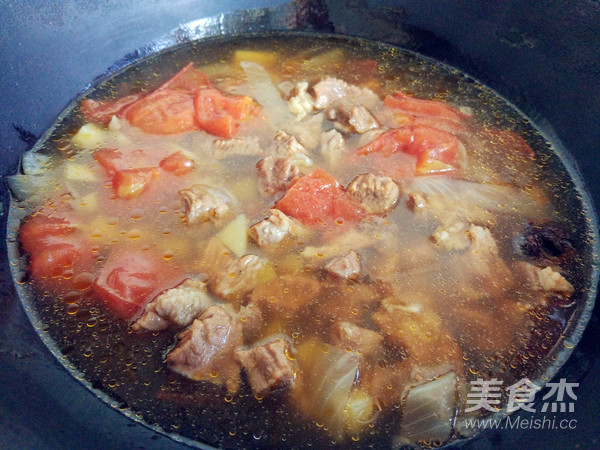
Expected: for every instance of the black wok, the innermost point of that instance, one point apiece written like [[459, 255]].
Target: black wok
[[542, 56]]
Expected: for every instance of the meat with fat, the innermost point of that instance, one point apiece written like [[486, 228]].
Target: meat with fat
[[346, 267], [274, 174], [356, 338], [205, 350], [268, 366], [176, 307], [204, 203], [376, 194], [352, 118]]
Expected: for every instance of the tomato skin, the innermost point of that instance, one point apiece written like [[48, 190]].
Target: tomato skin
[[188, 80], [318, 198], [130, 279], [102, 112], [177, 163], [56, 249], [221, 115], [164, 111], [41, 231], [130, 183], [436, 150], [54, 261], [422, 107], [108, 159]]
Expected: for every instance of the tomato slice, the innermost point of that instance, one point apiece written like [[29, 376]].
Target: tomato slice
[[40, 231], [130, 183], [56, 250], [221, 115], [188, 79], [177, 163], [164, 111], [108, 158], [55, 261], [102, 112], [130, 279], [318, 198], [436, 150], [421, 107]]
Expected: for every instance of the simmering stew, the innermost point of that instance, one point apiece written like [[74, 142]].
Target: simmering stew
[[298, 241]]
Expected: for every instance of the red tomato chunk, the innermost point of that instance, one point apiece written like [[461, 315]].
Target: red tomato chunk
[[318, 198], [129, 279], [177, 163]]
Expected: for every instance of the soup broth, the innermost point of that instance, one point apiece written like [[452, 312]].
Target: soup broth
[[298, 241]]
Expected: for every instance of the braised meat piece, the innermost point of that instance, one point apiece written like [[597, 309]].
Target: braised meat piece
[[252, 321], [344, 266], [376, 194], [178, 307], [355, 338], [207, 348], [330, 90], [246, 146], [287, 145], [204, 203], [268, 366], [237, 279], [272, 230], [274, 174], [545, 279], [352, 118], [229, 278]]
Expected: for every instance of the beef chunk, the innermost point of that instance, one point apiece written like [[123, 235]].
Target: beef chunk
[[352, 118], [329, 90], [176, 307], [376, 194], [252, 321], [229, 278], [274, 229], [357, 339], [268, 366], [276, 173], [204, 203], [546, 279], [237, 279], [345, 266], [242, 146], [287, 145], [207, 348]]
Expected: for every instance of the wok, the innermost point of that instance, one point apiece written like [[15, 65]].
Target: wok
[[542, 56]]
